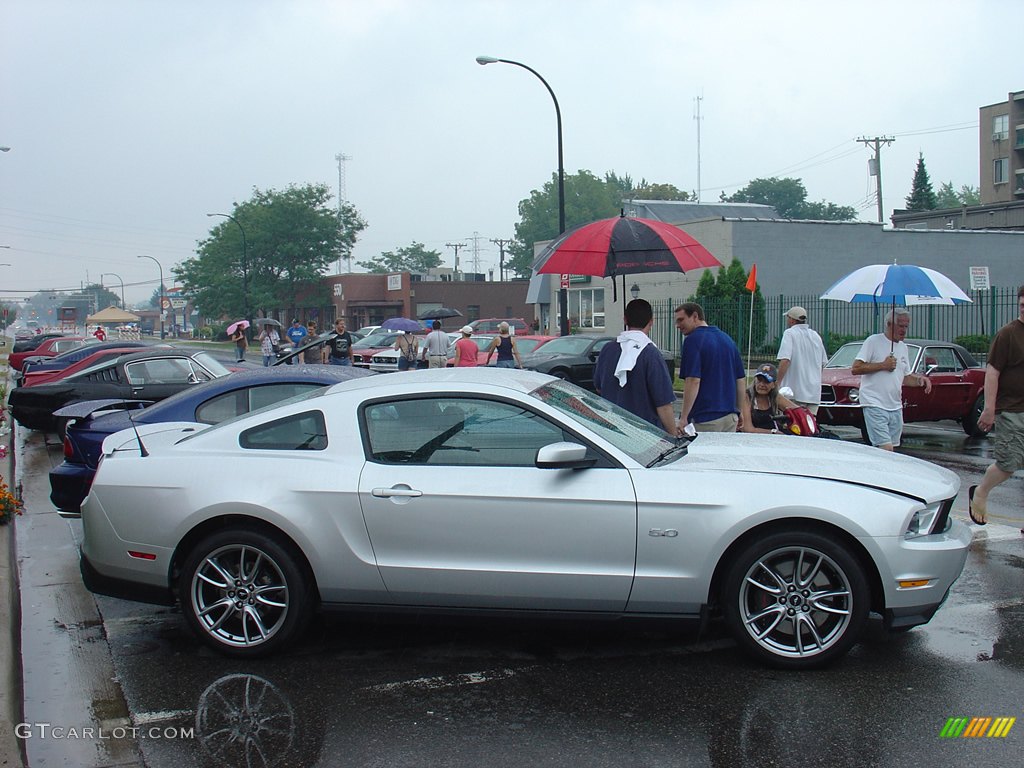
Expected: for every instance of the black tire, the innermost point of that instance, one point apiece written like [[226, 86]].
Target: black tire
[[864, 434], [560, 373], [970, 419], [267, 605], [796, 600]]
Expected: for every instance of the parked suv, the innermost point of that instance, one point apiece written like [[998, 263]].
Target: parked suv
[[490, 324]]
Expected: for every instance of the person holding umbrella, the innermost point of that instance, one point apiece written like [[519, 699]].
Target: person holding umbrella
[[883, 364], [270, 341], [237, 333]]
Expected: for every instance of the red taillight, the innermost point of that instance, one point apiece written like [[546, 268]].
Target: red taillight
[[142, 555], [69, 449]]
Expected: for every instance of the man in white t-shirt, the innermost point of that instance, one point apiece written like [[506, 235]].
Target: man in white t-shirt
[[883, 365], [436, 346], [801, 358]]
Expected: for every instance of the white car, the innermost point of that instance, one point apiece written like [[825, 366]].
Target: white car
[[504, 490]]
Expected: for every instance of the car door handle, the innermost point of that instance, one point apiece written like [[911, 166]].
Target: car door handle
[[385, 493]]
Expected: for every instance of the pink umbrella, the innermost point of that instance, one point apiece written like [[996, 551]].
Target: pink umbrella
[[236, 325]]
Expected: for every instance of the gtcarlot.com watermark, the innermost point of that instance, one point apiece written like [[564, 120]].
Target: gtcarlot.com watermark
[[45, 731]]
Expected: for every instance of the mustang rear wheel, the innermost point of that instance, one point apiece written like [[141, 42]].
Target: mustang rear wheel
[[796, 600], [244, 593], [970, 420]]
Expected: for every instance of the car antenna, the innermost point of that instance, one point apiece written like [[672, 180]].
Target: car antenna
[[142, 448]]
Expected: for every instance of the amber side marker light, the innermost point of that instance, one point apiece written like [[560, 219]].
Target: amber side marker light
[[913, 583]]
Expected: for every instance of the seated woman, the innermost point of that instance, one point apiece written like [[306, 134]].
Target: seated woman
[[763, 402]]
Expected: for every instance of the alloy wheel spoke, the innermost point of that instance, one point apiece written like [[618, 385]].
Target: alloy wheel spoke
[[776, 612], [804, 581], [817, 601], [219, 570], [250, 614], [803, 620]]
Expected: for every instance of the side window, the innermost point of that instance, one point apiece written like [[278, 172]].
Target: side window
[[460, 431], [943, 358], [299, 432], [221, 408], [169, 370]]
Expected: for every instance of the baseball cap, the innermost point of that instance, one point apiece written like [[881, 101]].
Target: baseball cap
[[767, 372], [466, 330], [797, 313]]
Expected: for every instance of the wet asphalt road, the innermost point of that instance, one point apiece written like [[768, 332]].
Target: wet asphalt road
[[475, 693]]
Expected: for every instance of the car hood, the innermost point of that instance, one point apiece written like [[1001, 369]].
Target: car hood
[[833, 376], [823, 459]]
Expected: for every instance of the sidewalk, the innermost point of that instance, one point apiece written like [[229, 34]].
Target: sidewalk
[[11, 755]]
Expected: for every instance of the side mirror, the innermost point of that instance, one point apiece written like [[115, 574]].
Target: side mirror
[[564, 456]]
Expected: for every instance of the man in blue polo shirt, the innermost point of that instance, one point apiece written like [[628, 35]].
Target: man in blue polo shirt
[[714, 380], [632, 373]]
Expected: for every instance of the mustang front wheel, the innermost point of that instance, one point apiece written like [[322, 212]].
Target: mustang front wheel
[[244, 593], [796, 600]]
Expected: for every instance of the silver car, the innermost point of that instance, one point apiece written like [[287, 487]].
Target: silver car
[[499, 489]]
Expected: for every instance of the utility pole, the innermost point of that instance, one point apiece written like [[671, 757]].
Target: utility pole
[[456, 246], [342, 198], [698, 118], [875, 165], [501, 256]]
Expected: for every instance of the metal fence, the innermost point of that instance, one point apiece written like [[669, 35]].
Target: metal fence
[[836, 321]]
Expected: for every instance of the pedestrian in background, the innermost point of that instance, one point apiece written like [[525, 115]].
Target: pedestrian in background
[[241, 344], [632, 373], [714, 379], [1004, 410], [270, 343], [436, 345], [297, 334], [312, 355], [408, 347], [883, 365], [465, 349], [338, 349], [801, 357], [762, 402], [505, 345]]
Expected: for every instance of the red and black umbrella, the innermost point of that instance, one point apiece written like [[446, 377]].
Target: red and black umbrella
[[623, 246]]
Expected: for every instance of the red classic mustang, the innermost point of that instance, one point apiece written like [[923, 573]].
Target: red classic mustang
[[958, 383]]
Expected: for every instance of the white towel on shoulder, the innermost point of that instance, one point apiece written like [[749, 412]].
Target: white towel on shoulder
[[632, 344]]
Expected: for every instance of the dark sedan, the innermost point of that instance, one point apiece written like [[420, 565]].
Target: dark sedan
[[149, 375], [573, 358], [958, 387], [209, 403]]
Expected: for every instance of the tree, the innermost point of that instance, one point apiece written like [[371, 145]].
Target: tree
[[922, 196], [947, 197], [646, 191], [412, 258], [789, 199], [291, 237], [726, 303]]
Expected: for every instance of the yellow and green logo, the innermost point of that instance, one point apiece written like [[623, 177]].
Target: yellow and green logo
[[977, 727]]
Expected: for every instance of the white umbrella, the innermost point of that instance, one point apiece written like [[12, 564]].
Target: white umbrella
[[896, 284]]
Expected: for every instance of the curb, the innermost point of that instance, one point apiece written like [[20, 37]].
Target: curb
[[11, 704]]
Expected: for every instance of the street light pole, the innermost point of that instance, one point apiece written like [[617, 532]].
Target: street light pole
[[163, 296], [563, 293], [122, 285], [245, 266]]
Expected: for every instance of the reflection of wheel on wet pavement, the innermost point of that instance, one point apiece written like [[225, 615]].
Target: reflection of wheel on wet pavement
[[795, 600], [245, 720]]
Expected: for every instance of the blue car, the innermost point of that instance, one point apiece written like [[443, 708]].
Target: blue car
[[209, 403]]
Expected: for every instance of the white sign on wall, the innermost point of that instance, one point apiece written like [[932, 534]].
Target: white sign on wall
[[339, 290], [979, 279], [394, 282]]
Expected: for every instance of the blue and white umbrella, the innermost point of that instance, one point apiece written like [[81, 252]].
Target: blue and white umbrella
[[896, 284]]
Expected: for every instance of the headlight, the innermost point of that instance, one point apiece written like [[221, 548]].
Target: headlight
[[854, 395], [923, 520]]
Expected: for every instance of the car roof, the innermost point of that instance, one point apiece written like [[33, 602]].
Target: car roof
[[511, 378]]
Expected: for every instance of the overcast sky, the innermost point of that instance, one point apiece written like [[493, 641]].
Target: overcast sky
[[129, 120]]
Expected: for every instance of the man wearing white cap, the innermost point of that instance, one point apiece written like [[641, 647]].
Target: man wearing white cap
[[801, 358]]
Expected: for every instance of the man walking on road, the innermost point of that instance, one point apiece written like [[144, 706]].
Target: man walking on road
[[714, 379], [801, 358], [883, 365], [632, 373], [436, 345], [1004, 410]]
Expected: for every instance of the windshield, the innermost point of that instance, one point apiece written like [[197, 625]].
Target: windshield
[[567, 345], [846, 354], [210, 363], [640, 439]]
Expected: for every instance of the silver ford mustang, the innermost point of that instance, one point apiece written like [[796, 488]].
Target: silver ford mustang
[[502, 490]]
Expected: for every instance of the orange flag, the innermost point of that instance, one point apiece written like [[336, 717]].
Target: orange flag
[[752, 279]]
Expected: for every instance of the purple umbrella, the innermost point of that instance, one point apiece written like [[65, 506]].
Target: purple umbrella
[[400, 324]]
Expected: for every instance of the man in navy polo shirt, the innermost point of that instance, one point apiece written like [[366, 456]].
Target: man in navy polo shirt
[[714, 379]]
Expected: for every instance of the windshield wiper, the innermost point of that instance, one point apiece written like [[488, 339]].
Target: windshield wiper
[[680, 446]]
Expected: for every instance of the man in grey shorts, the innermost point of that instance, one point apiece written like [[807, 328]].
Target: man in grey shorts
[[1004, 410], [883, 365]]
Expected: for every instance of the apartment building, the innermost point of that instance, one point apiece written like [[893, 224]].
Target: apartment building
[[1001, 145]]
